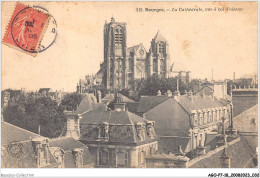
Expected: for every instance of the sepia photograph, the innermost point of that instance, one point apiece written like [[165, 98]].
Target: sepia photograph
[[99, 84]]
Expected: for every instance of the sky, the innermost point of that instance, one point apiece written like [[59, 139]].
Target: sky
[[198, 41]]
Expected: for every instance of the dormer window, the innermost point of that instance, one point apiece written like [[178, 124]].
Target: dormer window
[[103, 131]]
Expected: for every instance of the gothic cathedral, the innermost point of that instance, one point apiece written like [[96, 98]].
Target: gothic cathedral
[[122, 66]]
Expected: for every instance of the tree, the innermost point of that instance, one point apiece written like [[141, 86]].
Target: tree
[[151, 85], [30, 112], [71, 101]]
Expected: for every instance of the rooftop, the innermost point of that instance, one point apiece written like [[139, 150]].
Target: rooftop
[[11, 133]]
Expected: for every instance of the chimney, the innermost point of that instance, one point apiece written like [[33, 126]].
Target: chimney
[[222, 137], [203, 94], [190, 95], [73, 128], [159, 93], [98, 95], [225, 160], [169, 93]]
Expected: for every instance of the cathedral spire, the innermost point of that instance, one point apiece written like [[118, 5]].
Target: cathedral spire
[[159, 37]]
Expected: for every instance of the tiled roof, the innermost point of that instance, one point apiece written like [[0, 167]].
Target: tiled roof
[[159, 37], [86, 103], [241, 157], [148, 102], [11, 133], [170, 144]]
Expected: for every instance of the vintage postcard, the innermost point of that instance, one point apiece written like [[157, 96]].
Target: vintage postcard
[[130, 85]]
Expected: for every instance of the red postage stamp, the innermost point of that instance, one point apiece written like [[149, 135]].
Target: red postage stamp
[[26, 28]]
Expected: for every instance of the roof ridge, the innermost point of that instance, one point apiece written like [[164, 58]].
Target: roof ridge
[[133, 129], [59, 138], [21, 128], [157, 104]]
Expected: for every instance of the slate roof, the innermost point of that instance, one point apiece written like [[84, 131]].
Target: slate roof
[[210, 141], [109, 98], [11, 133], [111, 117], [132, 107], [199, 103], [244, 121], [148, 102], [241, 157], [132, 48], [66, 143], [87, 103], [171, 143], [159, 37], [122, 128]]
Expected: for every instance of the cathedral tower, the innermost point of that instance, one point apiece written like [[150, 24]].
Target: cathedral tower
[[115, 76], [158, 57]]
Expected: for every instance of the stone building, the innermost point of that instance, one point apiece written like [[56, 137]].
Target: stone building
[[116, 138], [24, 149], [185, 120], [123, 65], [243, 99]]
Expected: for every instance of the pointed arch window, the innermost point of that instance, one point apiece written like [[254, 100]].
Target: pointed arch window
[[161, 47], [154, 65], [118, 36]]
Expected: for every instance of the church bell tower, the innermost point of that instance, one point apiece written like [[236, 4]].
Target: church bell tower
[[115, 55]]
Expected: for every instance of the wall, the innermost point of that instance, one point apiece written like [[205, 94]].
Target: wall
[[243, 99], [220, 89]]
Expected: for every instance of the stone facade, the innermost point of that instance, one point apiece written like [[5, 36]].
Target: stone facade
[[123, 65]]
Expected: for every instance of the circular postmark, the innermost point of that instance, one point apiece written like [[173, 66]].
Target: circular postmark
[[30, 25], [15, 149]]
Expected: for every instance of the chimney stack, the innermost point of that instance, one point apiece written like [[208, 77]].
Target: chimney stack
[[98, 95], [159, 93], [190, 95]]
